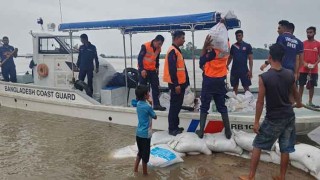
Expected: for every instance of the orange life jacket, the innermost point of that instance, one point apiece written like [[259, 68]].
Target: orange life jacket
[[181, 68], [218, 66], [149, 59]]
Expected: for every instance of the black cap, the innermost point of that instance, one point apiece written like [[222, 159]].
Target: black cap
[[84, 36]]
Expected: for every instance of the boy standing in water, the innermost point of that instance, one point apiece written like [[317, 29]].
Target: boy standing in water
[[143, 133], [279, 123]]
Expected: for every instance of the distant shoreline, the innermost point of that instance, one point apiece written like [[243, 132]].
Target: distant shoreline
[[134, 57]]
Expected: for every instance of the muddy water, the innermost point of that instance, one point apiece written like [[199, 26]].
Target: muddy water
[[44, 146]]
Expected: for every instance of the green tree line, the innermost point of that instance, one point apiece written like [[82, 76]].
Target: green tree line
[[258, 53]]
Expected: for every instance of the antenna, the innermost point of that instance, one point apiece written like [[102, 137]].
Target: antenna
[[40, 21], [60, 11]]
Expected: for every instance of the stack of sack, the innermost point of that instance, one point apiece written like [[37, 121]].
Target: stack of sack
[[167, 150], [314, 135], [306, 158], [188, 99], [241, 103]]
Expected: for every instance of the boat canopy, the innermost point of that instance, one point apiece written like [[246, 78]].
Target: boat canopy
[[192, 22], [202, 21]]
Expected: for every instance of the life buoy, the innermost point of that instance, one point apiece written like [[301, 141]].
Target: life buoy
[[43, 70]]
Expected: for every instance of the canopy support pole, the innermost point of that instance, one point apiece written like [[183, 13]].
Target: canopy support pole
[[73, 78], [125, 62], [130, 34], [193, 59]]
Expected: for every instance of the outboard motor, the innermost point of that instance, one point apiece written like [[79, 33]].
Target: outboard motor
[[132, 77]]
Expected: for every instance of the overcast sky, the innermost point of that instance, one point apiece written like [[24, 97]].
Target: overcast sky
[[258, 18]]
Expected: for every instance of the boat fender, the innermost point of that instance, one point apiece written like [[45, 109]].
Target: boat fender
[[43, 70], [82, 86]]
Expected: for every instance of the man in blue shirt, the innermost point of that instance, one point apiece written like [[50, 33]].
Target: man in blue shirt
[[8, 67], [87, 53], [300, 49], [240, 52], [293, 48]]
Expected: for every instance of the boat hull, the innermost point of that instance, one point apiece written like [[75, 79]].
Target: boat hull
[[85, 108]]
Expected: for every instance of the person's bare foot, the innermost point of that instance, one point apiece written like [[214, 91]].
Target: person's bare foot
[[276, 178], [245, 177]]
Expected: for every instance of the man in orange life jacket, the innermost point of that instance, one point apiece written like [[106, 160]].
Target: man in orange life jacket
[[213, 63], [176, 75], [148, 65]]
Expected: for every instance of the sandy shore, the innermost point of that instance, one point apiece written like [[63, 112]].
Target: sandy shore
[[219, 166], [43, 146]]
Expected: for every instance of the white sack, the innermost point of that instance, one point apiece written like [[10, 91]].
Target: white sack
[[241, 103], [314, 135], [298, 165], [125, 152], [307, 155], [228, 15], [219, 36], [245, 154], [164, 100], [218, 142], [161, 137], [163, 156], [189, 142], [193, 153], [275, 157], [189, 97], [244, 140]]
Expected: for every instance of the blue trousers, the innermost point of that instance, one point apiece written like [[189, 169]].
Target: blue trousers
[[213, 88], [9, 73], [89, 74], [176, 101], [153, 79]]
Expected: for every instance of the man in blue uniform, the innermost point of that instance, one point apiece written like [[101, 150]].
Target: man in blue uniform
[[291, 59], [300, 47], [8, 67], [292, 45], [87, 53], [240, 52]]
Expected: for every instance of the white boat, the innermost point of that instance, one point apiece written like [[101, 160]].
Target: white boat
[[56, 94]]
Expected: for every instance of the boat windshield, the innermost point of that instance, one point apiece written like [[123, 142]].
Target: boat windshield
[[76, 42]]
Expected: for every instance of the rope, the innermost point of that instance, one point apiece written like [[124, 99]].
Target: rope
[[311, 108]]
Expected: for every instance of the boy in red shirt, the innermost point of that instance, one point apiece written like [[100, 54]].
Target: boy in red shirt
[[309, 70]]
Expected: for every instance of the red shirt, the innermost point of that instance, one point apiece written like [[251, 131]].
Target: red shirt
[[311, 54]]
